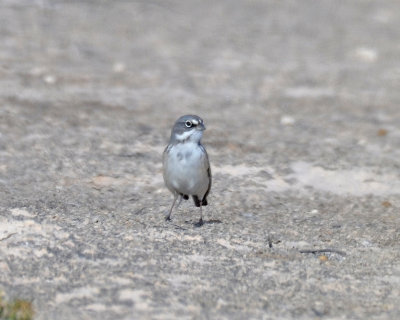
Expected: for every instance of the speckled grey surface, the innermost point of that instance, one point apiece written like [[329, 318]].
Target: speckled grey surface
[[301, 101]]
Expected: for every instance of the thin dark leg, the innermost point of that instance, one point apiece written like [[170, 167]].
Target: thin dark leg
[[200, 223], [168, 217]]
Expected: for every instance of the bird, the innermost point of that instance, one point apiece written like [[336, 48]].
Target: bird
[[186, 167]]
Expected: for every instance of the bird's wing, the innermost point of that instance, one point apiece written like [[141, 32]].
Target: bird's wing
[[208, 169]]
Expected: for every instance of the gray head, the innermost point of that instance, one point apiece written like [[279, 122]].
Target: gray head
[[187, 128]]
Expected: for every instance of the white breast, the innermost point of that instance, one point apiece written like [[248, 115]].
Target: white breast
[[185, 169]]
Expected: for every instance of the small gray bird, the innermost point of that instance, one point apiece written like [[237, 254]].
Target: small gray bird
[[186, 166]]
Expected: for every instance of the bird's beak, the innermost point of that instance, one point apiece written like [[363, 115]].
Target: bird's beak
[[201, 127]]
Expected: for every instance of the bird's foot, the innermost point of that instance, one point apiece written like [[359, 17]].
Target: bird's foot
[[167, 218], [199, 224]]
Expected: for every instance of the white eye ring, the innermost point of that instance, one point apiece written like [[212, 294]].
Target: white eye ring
[[188, 124]]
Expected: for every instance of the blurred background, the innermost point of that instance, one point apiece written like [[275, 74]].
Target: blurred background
[[209, 54]]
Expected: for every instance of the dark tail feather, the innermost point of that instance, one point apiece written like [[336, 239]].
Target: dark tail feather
[[197, 201]]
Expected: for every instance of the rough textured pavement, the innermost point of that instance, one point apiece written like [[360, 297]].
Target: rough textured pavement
[[301, 100]]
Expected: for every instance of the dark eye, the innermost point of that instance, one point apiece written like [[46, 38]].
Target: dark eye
[[188, 124]]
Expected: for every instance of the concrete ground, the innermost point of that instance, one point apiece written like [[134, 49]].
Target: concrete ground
[[301, 101]]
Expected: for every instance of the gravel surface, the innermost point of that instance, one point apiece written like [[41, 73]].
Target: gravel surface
[[301, 101]]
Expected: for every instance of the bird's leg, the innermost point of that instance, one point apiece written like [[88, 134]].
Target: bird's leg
[[200, 223], [168, 217]]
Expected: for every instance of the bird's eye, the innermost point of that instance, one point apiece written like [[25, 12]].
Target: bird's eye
[[188, 124]]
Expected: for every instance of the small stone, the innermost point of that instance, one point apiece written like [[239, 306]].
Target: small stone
[[361, 142], [366, 54], [386, 204], [287, 120], [118, 67], [382, 132], [49, 79], [323, 258]]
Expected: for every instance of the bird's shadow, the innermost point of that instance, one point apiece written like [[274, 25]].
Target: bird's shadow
[[196, 224]]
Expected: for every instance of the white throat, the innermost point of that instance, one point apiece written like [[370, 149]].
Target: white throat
[[192, 135]]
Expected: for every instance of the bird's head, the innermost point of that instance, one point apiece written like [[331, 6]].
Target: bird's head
[[188, 128]]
